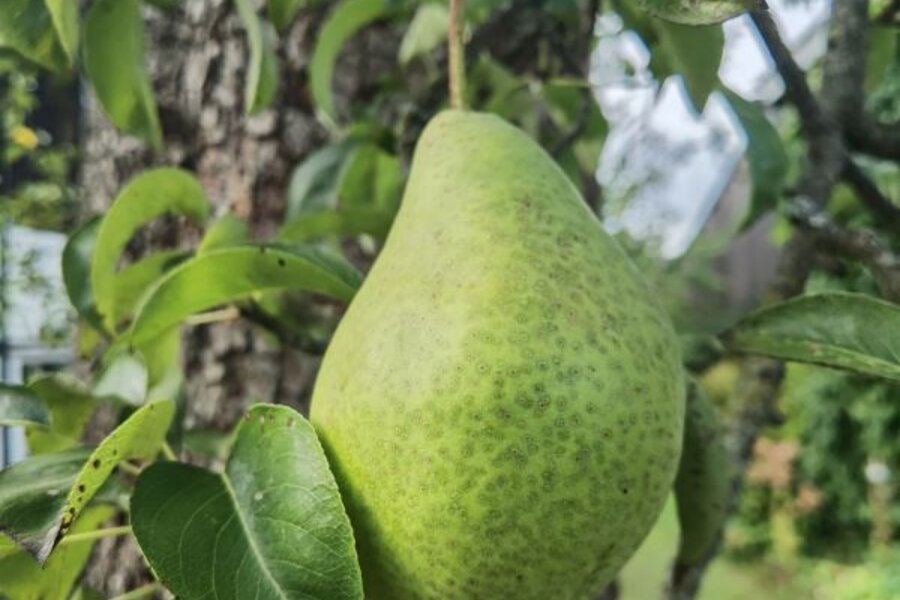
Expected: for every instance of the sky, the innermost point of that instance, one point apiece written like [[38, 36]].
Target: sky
[[664, 166]]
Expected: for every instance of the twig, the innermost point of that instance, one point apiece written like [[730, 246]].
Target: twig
[[96, 534], [846, 77], [863, 131], [821, 131], [881, 140], [167, 452], [858, 244], [826, 151], [229, 313], [813, 121], [142, 592], [129, 468], [890, 14], [285, 335], [880, 205]]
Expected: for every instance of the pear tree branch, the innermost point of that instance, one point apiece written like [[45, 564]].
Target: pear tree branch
[[863, 131], [759, 382], [880, 140], [861, 245], [887, 213], [823, 122]]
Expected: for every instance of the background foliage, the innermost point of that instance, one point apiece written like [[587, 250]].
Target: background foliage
[[816, 504]]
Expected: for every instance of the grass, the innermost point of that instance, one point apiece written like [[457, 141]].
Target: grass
[[644, 576]]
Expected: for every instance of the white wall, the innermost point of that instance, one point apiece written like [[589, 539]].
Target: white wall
[[34, 306]]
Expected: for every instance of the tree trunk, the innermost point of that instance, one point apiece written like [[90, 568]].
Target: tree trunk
[[197, 57]]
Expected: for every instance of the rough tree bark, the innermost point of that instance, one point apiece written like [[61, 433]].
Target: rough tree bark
[[197, 56]]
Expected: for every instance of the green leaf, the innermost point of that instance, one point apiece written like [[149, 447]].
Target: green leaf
[[314, 183], [837, 329], [283, 12], [426, 31], [272, 526], [494, 88], [766, 155], [229, 274], [348, 188], [313, 225], [210, 443], [883, 43], [566, 106], [114, 62], [162, 355], [23, 579], [694, 52], [693, 12], [132, 282], [346, 19], [147, 196], [228, 230], [42, 496], [64, 14], [20, 406], [83, 592], [372, 178], [27, 27], [703, 484], [262, 69], [124, 380], [76, 270], [71, 407]]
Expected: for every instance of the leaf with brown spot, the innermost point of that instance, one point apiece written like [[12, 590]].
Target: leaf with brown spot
[[41, 497], [23, 579]]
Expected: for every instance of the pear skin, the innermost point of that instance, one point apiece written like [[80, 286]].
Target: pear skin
[[503, 402]]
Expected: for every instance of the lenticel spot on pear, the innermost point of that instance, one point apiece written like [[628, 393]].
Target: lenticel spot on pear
[[503, 402]]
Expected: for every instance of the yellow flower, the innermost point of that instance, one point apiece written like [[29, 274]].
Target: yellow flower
[[24, 137]]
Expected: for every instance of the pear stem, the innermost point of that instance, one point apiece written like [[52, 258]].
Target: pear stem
[[457, 55]]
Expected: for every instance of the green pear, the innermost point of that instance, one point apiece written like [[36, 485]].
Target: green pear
[[503, 402]]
